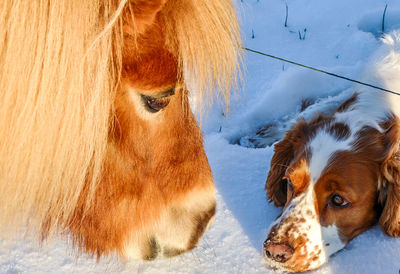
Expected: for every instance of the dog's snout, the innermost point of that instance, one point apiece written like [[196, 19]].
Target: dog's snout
[[279, 252]]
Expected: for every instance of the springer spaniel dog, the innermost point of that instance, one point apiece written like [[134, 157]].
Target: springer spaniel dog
[[337, 175]]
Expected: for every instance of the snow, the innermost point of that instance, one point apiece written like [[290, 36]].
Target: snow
[[339, 36]]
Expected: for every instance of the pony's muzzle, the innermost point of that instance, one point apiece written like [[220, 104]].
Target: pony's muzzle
[[155, 247], [154, 250], [179, 229]]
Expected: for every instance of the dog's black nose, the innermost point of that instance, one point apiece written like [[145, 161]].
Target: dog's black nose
[[279, 252]]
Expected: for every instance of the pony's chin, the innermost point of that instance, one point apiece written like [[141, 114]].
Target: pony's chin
[[150, 250], [179, 228]]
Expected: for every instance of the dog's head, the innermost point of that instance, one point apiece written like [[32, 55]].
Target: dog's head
[[334, 180]]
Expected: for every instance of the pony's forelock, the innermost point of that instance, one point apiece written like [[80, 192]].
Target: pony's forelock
[[207, 38]]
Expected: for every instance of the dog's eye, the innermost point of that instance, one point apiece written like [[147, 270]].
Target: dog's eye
[[338, 201], [289, 188], [290, 185]]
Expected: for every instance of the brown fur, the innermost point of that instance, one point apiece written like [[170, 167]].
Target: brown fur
[[354, 178], [288, 149], [390, 218], [348, 103], [299, 176], [135, 172]]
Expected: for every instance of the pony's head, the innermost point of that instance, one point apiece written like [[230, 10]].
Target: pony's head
[[100, 139]]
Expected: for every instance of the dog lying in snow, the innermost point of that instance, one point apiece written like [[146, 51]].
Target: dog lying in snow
[[337, 175]]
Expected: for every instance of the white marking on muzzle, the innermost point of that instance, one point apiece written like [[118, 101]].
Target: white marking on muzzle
[[332, 241]]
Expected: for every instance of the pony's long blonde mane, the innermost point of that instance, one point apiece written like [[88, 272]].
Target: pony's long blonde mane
[[57, 81], [60, 64]]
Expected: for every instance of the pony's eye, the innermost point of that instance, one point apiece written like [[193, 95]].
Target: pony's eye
[[338, 201], [156, 103], [153, 104]]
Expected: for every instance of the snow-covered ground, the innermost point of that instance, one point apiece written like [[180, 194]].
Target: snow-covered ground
[[338, 36]]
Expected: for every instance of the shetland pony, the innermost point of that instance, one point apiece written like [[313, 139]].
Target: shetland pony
[[98, 142]]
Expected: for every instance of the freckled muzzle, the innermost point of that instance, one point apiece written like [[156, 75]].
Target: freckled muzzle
[[297, 241], [294, 242]]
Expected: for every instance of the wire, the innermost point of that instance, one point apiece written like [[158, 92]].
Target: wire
[[322, 71]]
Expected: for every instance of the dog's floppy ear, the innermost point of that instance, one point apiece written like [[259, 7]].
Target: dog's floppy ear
[[390, 168], [275, 186], [284, 152]]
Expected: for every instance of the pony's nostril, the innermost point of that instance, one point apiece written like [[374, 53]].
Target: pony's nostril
[[152, 249], [279, 252]]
